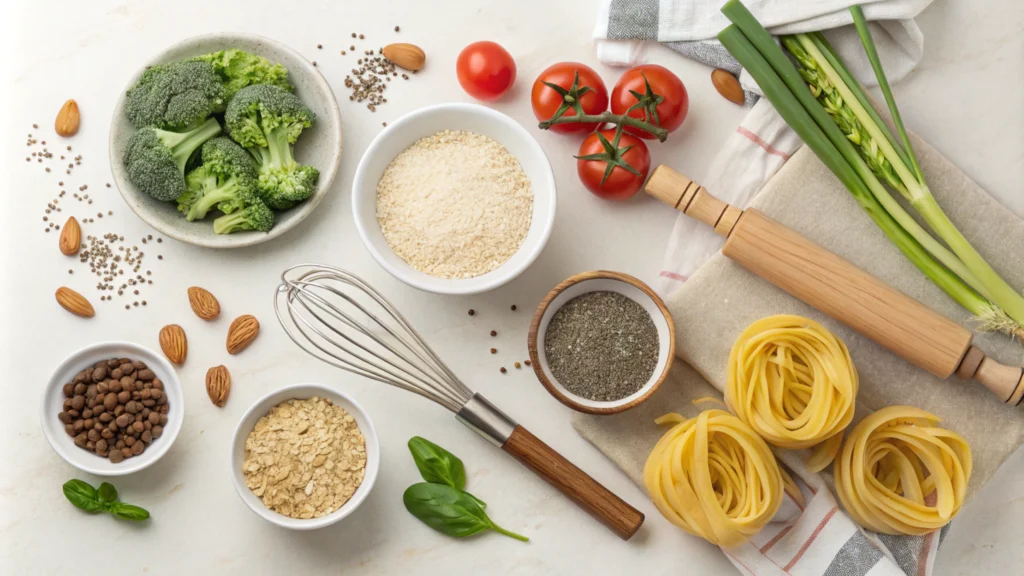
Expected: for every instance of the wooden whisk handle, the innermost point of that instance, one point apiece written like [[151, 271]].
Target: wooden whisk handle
[[573, 482]]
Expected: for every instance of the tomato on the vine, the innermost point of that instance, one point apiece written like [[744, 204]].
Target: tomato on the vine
[[651, 93], [567, 89], [486, 70], [612, 164]]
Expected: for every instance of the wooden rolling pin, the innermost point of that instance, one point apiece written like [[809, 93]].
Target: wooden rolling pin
[[836, 287]]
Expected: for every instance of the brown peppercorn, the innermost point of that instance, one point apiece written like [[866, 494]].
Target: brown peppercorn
[[494, 350], [503, 370], [472, 312], [494, 332]]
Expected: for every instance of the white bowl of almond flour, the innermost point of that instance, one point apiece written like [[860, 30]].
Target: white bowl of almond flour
[[454, 199]]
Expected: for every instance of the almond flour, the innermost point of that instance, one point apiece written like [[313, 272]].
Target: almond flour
[[455, 205], [305, 458]]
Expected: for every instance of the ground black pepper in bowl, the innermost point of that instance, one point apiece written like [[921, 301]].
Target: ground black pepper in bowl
[[602, 346]]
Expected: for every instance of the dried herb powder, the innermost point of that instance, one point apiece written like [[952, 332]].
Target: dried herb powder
[[602, 346]]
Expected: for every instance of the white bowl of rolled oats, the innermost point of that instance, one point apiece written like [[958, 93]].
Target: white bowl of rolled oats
[[305, 456]]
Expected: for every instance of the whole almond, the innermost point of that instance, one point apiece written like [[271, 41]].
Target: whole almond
[[74, 302], [408, 56], [70, 237], [727, 85], [68, 119], [203, 303], [173, 343], [218, 385], [242, 332]]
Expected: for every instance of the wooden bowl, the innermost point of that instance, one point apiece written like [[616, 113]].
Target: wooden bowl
[[600, 281]]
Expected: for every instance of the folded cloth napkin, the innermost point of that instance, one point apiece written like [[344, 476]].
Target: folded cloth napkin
[[713, 299], [690, 26]]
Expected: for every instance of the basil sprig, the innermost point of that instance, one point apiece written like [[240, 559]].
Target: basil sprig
[[87, 498], [441, 502], [450, 511], [436, 464]]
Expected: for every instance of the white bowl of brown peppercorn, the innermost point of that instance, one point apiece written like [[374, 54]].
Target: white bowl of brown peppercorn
[[112, 408]]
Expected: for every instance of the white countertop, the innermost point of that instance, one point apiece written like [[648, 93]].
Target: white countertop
[[964, 98]]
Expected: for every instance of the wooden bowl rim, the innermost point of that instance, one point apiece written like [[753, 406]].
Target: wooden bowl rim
[[612, 406]]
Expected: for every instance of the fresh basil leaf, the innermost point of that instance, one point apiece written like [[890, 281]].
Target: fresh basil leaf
[[129, 511], [436, 464], [445, 509], [82, 495], [107, 493], [450, 511]]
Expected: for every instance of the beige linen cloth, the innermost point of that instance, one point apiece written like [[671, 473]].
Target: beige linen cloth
[[721, 298]]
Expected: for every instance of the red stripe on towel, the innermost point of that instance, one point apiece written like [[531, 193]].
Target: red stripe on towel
[[673, 276], [757, 140], [811, 538], [782, 534]]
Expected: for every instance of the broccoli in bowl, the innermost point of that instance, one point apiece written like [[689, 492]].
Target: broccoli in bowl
[[178, 154]]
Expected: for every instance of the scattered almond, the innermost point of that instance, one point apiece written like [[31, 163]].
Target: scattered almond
[[203, 303], [68, 119], [74, 302], [70, 237], [242, 332], [727, 85], [173, 343], [404, 55], [218, 385]]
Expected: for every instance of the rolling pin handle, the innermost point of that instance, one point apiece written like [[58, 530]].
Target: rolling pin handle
[[1007, 382], [692, 199]]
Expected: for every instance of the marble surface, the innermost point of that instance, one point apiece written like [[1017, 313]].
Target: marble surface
[[963, 99]]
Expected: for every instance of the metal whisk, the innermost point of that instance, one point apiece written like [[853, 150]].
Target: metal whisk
[[340, 319]]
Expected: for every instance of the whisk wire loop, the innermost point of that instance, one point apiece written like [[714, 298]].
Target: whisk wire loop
[[320, 309]]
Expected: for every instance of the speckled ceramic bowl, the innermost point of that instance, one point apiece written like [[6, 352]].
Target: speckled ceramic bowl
[[319, 145]]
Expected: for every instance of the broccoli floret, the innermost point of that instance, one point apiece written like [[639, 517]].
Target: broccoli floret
[[238, 69], [175, 96], [226, 180], [255, 216], [155, 159], [268, 120]]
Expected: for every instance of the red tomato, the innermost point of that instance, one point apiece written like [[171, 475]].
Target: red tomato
[[486, 70], [595, 156], [547, 101], [673, 105]]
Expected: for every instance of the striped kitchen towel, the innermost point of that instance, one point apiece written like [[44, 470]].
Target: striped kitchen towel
[[689, 27]]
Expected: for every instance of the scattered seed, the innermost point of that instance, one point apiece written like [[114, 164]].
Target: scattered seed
[[517, 365], [527, 362], [494, 332], [319, 46], [361, 37], [396, 28], [353, 35], [314, 62], [503, 370], [472, 312]]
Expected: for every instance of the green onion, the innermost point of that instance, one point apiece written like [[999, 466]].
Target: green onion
[[787, 89]]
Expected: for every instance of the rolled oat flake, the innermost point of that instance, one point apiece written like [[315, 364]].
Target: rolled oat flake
[[602, 346]]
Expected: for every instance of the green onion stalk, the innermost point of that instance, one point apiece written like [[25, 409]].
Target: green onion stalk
[[849, 137]]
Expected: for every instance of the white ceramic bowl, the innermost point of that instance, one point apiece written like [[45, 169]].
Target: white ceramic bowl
[[602, 280], [319, 145], [401, 134], [53, 401], [260, 409]]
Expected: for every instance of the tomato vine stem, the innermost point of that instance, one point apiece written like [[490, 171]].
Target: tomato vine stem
[[608, 118]]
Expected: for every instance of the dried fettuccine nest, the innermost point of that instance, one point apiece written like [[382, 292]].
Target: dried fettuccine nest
[[305, 458]]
